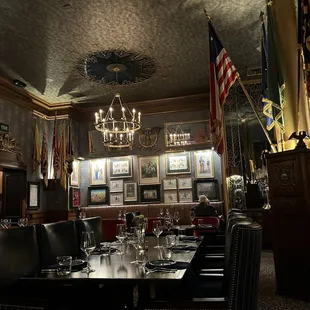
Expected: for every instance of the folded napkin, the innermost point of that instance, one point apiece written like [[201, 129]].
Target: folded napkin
[[179, 249], [177, 265]]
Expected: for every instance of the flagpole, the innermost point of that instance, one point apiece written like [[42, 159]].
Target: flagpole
[[256, 114]]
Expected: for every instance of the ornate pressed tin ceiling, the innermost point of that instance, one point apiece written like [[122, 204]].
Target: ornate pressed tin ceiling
[[44, 43]]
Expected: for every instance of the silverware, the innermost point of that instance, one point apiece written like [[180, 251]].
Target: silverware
[[158, 269]]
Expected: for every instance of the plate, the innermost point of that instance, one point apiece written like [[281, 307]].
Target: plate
[[162, 262]]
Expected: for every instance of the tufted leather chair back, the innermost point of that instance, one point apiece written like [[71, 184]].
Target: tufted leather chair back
[[244, 268], [20, 256], [89, 224], [57, 239]]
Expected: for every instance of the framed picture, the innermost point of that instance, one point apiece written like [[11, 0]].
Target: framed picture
[[180, 134], [116, 186], [116, 199], [98, 195], [203, 162], [121, 167], [150, 193], [98, 172], [75, 197], [169, 183], [130, 191], [184, 183], [75, 175], [185, 195], [33, 195], [149, 170], [206, 187], [178, 163], [170, 196]]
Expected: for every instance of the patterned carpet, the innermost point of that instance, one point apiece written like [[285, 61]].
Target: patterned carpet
[[267, 297]]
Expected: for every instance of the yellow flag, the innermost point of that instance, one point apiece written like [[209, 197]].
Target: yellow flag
[[62, 157], [36, 157]]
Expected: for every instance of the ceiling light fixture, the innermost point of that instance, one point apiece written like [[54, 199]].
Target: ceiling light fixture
[[118, 125]]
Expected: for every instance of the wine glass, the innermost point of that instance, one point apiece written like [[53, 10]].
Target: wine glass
[[167, 212], [192, 216], [177, 217], [121, 235], [88, 244], [157, 230], [168, 222], [161, 212], [137, 243]]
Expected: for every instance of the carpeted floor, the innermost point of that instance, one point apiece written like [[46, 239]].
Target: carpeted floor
[[267, 297]]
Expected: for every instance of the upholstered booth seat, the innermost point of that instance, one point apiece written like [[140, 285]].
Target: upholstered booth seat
[[149, 210], [109, 228], [207, 220], [90, 224], [57, 239]]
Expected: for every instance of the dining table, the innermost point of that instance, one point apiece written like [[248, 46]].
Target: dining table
[[118, 270]]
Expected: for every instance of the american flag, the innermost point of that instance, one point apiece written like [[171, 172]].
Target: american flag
[[223, 74]]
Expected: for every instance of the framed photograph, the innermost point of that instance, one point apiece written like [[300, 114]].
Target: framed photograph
[[169, 183], [185, 195], [180, 134], [130, 191], [149, 170], [97, 172], [206, 187], [150, 193], [33, 195], [121, 167], [170, 196], [98, 195], [178, 163], [184, 182], [75, 175], [203, 162], [116, 186], [116, 199], [75, 197]]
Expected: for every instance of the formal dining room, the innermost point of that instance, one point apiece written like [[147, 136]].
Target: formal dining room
[[154, 154]]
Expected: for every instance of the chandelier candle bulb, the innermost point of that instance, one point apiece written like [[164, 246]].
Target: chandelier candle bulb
[[139, 117], [111, 115], [133, 114], [123, 112], [100, 114]]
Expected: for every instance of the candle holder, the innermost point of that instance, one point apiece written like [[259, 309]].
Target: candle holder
[[118, 125]]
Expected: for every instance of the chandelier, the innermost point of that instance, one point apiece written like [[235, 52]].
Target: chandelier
[[179, 137], [118, 125]]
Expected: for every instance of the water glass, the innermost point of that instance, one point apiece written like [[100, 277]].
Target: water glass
[[177, 217], [105, 248], [165, 253], [121, 236], [64, 264], [171, 240], [157, 230]]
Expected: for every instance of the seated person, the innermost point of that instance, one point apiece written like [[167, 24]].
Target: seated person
[[204, 208]]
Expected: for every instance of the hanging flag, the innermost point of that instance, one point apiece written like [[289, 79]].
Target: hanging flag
[[223, 75], [267, 107], [304, 37], [44, 158], [69, 155], [275, 98], [36, 156], [55, 148], [62, 157]]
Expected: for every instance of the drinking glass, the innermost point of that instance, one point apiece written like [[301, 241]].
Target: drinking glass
[[177, 217], [168, 222], [161, 212], [121, 236], [157, 230], [192, 216], [171, 240], [64, 264], [167, 211], [138, 244], [105, 248], [165, 253], [88, 244]]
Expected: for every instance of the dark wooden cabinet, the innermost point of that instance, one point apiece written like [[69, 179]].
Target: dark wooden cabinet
[[289, 189]]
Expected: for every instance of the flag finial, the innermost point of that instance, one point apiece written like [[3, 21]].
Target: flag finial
[[206, 13]]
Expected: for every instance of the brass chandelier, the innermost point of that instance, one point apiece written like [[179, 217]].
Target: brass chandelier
[[118, 125]]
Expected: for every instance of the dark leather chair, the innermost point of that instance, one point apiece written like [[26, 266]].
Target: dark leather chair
[[240, 289], [57, 239], [89, 224], [19, 254]]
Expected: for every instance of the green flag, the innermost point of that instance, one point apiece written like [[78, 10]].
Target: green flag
[[275, 80]]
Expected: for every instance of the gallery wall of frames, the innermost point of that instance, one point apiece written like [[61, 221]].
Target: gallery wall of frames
[[166, 178]]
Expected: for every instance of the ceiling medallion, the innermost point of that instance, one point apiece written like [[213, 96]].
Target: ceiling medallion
[[116, 67]]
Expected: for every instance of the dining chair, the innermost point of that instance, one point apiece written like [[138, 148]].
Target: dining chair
[[90, 224], [57, 239], [109, 228]]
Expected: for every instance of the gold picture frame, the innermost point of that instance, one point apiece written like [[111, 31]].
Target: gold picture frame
[[75, 175], [149, 169], [204, 164], [178, 163], [98, 172]]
